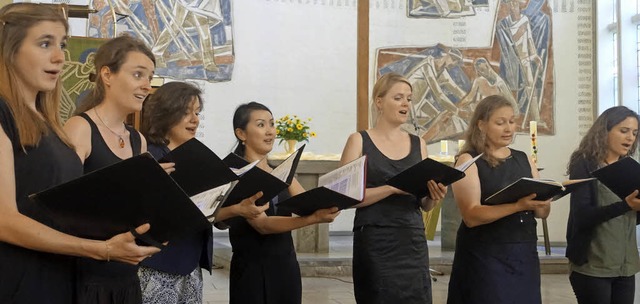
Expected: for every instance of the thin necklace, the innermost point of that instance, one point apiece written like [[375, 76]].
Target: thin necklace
[[120, 139]]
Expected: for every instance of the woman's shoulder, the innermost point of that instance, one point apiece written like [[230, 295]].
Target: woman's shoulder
[[158, 150], [7, 122], [5, 111], [518, 153]]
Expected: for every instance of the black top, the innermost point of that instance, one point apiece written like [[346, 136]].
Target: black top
[[585, 214], [395, 210], [101, 155], [101, 279], [182, 255], [247, 241], [28, 276], [517, 227]]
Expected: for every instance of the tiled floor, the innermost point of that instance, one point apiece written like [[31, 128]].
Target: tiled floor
[[555, 289], [339, 290]]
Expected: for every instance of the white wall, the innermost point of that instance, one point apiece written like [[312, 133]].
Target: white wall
[[296, 59], [299, 57]]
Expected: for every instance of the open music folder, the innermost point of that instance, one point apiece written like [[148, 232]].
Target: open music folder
[[212, 184], [119, 198], [543, 188], [343, 187], [203, 175], [414, 179], [622, 177]]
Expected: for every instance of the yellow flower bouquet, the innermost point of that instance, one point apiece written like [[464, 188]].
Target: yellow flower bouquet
[[291, 127]]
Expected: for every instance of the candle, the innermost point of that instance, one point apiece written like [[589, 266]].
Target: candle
[[444, 147], [533, 131]]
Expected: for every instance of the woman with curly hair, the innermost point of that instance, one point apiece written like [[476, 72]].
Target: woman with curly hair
[[601, 231]]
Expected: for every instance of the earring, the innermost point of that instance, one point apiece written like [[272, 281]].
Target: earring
[[243, 142]]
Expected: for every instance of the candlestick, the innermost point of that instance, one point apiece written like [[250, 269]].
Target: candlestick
[[460, 145], [444, 147], [533, 131]]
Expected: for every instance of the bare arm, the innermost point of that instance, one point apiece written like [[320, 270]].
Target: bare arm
[[353, 150], [278, 224], [542, 211], [467, 195], [23, 231], [246, 208], [79, 133]]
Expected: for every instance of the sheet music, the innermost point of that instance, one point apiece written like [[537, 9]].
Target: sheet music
[[243, 170], [208, 201], [464, 166], [283, 170], [348, 179]]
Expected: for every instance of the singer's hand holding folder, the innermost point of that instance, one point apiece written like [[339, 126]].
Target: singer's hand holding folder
[[119, 198], [213, 183], [543, 188], [343, 187], [203, 175], [414, 179], [622, 177]]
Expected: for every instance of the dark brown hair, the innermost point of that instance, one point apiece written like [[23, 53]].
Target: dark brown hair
[[475, 140], [593, 146], [112, 55], [165, 108], [241, 119], [15, 21]]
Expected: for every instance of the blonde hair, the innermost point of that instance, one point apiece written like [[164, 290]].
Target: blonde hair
[[15, 21], [381, 88]]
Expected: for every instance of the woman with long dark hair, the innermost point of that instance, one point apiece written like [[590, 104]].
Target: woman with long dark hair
[[601, 231]]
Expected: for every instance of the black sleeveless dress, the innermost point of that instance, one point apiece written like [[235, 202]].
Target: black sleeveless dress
[[28, 276], [497, 262], [390, 253], [101, 281], [264, 267]]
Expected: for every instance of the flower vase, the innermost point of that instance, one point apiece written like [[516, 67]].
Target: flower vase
[[290, 145]]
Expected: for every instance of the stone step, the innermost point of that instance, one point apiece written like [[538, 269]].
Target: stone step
[[339, 264]]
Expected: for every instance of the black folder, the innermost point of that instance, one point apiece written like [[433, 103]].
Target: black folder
[[414, 179], [256, 180], [543, 188], [323, 197], [120, 197], [198, 168], [622, 177], [235, 161], [315, 199]]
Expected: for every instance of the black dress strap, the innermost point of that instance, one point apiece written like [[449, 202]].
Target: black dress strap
[[101, 155], [134, 138]]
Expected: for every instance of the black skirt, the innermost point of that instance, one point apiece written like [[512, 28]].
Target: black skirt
[[495, 273], [259, 278], [27, 276], [391, 265]]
